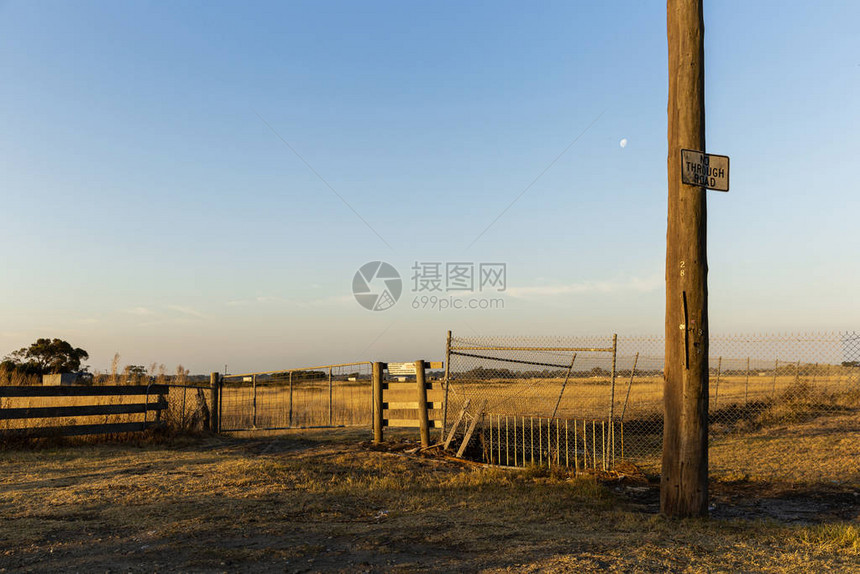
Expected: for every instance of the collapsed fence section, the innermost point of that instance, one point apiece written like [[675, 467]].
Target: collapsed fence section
[[323, 396], [578, 444], [530, 381]]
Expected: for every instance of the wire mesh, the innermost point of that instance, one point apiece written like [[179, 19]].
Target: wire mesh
[[532, 376], [325, 396], [188, 407], [777, 402]]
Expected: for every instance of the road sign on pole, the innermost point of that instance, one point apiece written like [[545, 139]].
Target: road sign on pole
[[705, 169]]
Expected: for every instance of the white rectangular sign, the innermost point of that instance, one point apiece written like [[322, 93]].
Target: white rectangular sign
[[705, 169], [401, 368]]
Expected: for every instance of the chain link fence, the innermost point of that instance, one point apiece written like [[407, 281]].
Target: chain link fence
[[324, 396], [781, 406]]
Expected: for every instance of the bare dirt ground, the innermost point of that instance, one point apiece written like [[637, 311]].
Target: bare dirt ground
[[326, 501]]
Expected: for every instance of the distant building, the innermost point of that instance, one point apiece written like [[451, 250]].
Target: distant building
[[62, 379]]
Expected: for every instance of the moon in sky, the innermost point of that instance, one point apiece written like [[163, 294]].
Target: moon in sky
[[623, 142]]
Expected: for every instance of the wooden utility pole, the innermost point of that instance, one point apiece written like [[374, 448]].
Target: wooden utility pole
[[684, 481]]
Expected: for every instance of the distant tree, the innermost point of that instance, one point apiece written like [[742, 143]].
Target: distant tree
[[46, 357], [134, 372], [308, 375]]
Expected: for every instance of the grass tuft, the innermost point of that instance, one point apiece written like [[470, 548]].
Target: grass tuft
[[839, 535]]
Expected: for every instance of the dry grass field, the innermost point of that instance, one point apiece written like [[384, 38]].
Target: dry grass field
[[322, 501], [351, 405], [785, 489], [589, 398], [754, 420], [592, 397]]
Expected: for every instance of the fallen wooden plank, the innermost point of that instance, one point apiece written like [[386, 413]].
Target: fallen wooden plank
[[457, 423], [472, 426]]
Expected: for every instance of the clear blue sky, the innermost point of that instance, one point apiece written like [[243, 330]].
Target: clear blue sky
[[148, 209]]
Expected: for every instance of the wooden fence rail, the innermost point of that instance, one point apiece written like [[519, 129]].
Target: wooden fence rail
[[152, 398]]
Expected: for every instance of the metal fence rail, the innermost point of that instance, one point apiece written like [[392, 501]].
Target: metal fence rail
[[321, 396]]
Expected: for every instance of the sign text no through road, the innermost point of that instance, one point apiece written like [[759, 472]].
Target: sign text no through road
[[704, 169]]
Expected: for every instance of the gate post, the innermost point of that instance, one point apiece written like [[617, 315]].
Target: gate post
[[291, 399], [377, 401], [254, 384], [423, 418], [612, 393], [447, 373], [330, 403], [214, 390]]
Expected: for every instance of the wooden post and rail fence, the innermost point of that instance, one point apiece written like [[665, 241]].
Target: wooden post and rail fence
[[50, 420], [49, 411]]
